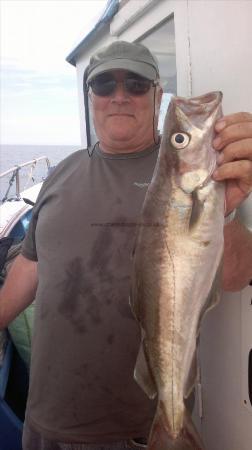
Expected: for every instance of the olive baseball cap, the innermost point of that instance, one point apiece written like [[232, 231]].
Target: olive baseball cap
[[124, 55]]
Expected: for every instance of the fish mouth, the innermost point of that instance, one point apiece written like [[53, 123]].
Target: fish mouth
[[210, 97], [199, 109], [206, 101]]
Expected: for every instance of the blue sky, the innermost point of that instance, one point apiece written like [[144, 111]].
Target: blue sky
[[38, 87]]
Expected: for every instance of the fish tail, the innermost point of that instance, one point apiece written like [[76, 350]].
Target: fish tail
[[162, 438]]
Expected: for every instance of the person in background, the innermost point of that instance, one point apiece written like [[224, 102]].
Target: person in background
[[76, 260]]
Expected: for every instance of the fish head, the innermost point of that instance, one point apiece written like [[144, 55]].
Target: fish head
[[189, 130]]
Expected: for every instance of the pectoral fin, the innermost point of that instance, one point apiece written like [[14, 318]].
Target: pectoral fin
[[143, 375]]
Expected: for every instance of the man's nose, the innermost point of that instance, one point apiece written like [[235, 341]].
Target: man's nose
[[120, 94]]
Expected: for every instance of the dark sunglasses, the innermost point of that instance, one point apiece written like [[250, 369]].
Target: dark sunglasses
[[105, 84]]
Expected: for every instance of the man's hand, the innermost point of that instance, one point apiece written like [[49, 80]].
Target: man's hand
[[234, 144]]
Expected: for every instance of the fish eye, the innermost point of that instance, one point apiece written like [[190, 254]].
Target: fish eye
[[180, 140]]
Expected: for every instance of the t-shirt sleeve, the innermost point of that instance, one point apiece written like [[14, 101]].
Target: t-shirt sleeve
[[29, 249]]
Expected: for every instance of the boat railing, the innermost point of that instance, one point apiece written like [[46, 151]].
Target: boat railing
[[14, 174]]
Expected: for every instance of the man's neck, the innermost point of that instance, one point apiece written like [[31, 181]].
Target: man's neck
[[123, 147]]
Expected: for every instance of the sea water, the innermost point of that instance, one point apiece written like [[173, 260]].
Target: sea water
[[11, 155]]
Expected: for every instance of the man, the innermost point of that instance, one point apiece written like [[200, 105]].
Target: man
[[76, 259]]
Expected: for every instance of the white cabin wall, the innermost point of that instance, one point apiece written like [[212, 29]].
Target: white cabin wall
[[81, 106], [220, 36]]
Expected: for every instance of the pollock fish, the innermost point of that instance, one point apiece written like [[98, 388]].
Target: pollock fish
[[176, 265]]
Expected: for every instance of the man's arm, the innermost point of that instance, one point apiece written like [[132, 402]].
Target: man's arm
[[19, 289], [237, 267]]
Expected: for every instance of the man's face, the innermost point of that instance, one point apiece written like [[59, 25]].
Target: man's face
[[123, 121]]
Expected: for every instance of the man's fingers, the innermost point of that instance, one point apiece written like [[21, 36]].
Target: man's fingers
[[233, 133], [231, 119], [239, 170], [234, 158], [236, 151]]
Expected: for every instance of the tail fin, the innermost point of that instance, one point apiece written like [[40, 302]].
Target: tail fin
[[161, 437]]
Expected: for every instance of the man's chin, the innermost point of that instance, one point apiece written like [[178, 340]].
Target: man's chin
[[121, 135]]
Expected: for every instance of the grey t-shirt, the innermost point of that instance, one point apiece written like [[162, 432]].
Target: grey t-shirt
[[86, 339]]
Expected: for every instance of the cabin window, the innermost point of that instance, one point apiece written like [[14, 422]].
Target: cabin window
[[161, 42]]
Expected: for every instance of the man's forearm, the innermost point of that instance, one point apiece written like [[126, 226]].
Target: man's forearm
[[237, 261], [18, 290]]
